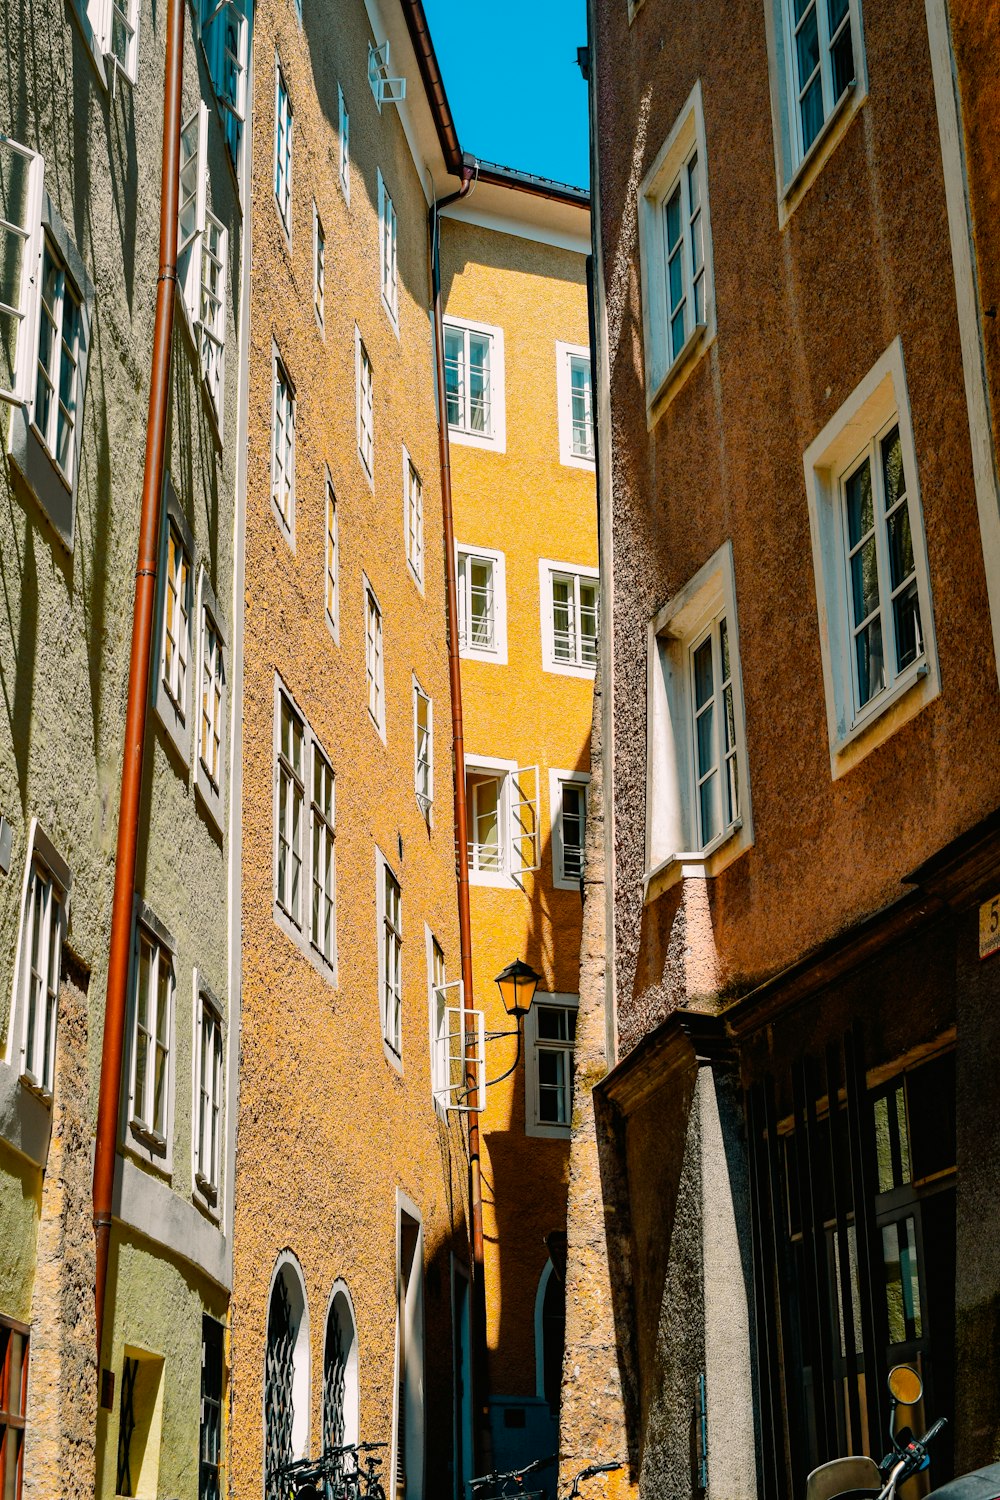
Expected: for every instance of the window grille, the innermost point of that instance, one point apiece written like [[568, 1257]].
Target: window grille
[[467, 372], [126, 1426], [210, 1445], [335, 1385], [279, 1410], [574, 811], [581, 407], [13, 1405]]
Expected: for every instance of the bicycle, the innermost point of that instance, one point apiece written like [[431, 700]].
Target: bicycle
[[515, 1477], [326, 1477], [588, 1473]]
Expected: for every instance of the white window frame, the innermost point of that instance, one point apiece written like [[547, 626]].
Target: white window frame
[[210, 789], [331, 562], [497, 653], [206, 1191], [25, 307], [388, 252], [664, 370], [344, 145], [37, 1043], [374, 657], [796, 167], [423, 755], [173, 709], [299, 927], [880, 400], [202, 260], [111, 31], [364, 382], [225, 35], [283, 454], [519, 789], [413, 519], [533, 1124], [557, 781], [283, 125], [548, 568], [673, 847], [496, 437], [319, 268], [153, 1146], [385, 89], [439, 996], [391, 1024], [31, 447], [565, 355], [287, 775], [324, 822]]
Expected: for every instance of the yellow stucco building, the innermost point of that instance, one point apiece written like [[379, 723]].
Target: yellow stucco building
[[520, 427]]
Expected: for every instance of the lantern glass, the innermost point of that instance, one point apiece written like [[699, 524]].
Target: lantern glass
[[517, 984]]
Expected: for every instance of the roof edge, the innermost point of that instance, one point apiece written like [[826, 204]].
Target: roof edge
[[528, 182], [430, 73]]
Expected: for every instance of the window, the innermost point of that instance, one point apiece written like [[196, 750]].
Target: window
[[366, 406], [340, 1376], [413, 517], [290, 778], [319, 264], [503, 824], [439, 1000], [282, 149], [675, 252], [870, 559], [388, 270], [576, 405], [13, 1405], [821, 55], [39, 956], [549, 1042], [140, 1415], [210, 1426], [474, 383], [423, 749], [283, 447], [385, 90], [304, 854], [344, 144], [21, 191], [550, 1336], [202, 255], [374, 664], [210, 759], [225, 33], [45, 309], [569, 617], [482, 604], [332, 571], [390, 964], [111, 31], [698, 792], [150, 1078], [568, 804], [286, 1374], [177, 614], [322, 925], [208, 1092]]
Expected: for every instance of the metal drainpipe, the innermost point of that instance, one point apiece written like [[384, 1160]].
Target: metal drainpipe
[[106, 1144], [483, 1444]]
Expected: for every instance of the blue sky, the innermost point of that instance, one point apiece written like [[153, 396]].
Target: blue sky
[[514, 87]]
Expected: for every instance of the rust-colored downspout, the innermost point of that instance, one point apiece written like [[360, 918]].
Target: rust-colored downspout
[[106, 1144], [483, 1445]]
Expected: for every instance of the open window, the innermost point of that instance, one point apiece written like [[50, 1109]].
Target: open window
[[44, 910], [504, 829], [21, 182], [461, 1051], [225, 34], [385, 89]]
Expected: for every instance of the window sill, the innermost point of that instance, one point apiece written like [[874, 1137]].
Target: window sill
[[696, 865], [466, 439], [206, 1198], [34, 463], [697, 341], [209, 799], [887, 713], [30, 1083], [577, 461], [833, 130], [149, 1148], [536, 1130], [570, 668], [497, 658]]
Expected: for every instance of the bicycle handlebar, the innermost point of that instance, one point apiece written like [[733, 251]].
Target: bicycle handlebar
[[498, 1478], [598, 1469]]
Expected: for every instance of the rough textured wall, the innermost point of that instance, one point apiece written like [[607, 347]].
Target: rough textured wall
[[592, 1416], [803, 314], [329, 1129], [528, 505]]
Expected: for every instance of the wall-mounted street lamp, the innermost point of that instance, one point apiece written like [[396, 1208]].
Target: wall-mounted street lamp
[[517, 985]]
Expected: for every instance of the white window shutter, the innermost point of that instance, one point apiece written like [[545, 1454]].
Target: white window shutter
[[392, 90], [525, 825], [464, 1030], [21, 181]]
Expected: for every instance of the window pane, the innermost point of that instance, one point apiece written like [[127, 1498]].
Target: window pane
[[703, 681], [674, 218], [807, 46], [706, 800], [864, 580], [550, 1023], [811, 110], [906, 620], [871, 670]]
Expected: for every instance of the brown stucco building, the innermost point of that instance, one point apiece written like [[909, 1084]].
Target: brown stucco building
[[792, 1145]]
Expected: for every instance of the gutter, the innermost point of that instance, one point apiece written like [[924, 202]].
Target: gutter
[[480, 1380], [109, 1098], [430, 73]]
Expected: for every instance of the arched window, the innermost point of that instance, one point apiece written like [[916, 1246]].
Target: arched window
[[550, 1336], [340, 1371], [286, 1374]]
